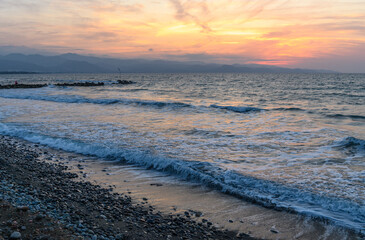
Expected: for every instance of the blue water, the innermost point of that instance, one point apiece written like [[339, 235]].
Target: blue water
[[285, 141]]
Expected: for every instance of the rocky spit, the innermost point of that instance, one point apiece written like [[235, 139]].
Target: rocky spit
[[22, 86], [76, 84], [42, 200]]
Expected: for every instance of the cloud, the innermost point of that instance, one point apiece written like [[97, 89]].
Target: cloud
[[280, 31], [113, 6], [211, 58], [205, 13], [254, 8], [4, 50], [183, 13], [20, 4], [99, 35], [277, 34], [352, 61]]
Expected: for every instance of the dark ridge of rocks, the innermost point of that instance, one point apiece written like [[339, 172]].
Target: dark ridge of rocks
[[124, 82], [80, 84], [22, 86], [84, 210], [77, 84]]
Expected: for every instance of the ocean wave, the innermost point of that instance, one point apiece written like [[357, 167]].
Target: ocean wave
[[207, 133], [355, 117], [237, 109], [351, 145], [295, 109], [288, 109], [80, 99], [267, 193], [140, 102], [41, 95]]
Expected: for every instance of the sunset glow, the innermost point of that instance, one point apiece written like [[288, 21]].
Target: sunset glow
[[281, 32]]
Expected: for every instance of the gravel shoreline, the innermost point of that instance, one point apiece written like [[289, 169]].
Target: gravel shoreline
[[41, 200]]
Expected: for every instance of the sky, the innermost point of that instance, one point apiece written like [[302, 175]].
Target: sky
[[326, 34]]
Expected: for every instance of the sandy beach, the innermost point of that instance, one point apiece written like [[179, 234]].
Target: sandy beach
[[40, 200]]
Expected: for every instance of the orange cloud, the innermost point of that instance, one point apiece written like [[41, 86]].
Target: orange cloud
[[281, 32]]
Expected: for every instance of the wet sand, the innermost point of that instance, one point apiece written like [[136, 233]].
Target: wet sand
[[171, 195]]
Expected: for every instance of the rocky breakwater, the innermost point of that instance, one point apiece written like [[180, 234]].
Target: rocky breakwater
[[124, 82], [22, 86], [64, 207], [75, 84], [80, 84]]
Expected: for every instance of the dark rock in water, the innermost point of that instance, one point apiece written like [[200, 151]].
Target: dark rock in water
[[22, 86], [156, 184], [80, 84], [124, 82], [77, 84]]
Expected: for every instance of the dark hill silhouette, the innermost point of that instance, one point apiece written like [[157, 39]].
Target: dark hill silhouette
[[74, 63]]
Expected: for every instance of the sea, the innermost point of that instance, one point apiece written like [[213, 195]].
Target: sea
[[287, 142]]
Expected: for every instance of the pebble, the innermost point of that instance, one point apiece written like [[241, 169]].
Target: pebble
[[274, 230], [23, 208], [120, 236], [38, 217], [15, 235], [198, 214]]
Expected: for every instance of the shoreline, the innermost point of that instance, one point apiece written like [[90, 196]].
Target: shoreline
[[80, 209]]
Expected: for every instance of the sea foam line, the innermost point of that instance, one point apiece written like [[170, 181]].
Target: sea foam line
[[140, 102], [157, 104]]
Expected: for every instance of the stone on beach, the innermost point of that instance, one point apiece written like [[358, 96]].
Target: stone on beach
[[15, 235]]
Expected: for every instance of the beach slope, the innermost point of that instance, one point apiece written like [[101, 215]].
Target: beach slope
[[41, 200]]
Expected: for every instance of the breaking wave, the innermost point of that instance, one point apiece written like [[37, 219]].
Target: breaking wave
[[77, 99], [352, 145], [140, 102], [80, 99], [237, 109], [267, 193], [355, 117]]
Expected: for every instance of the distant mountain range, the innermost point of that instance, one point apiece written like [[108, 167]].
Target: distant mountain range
[[74, 63]]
